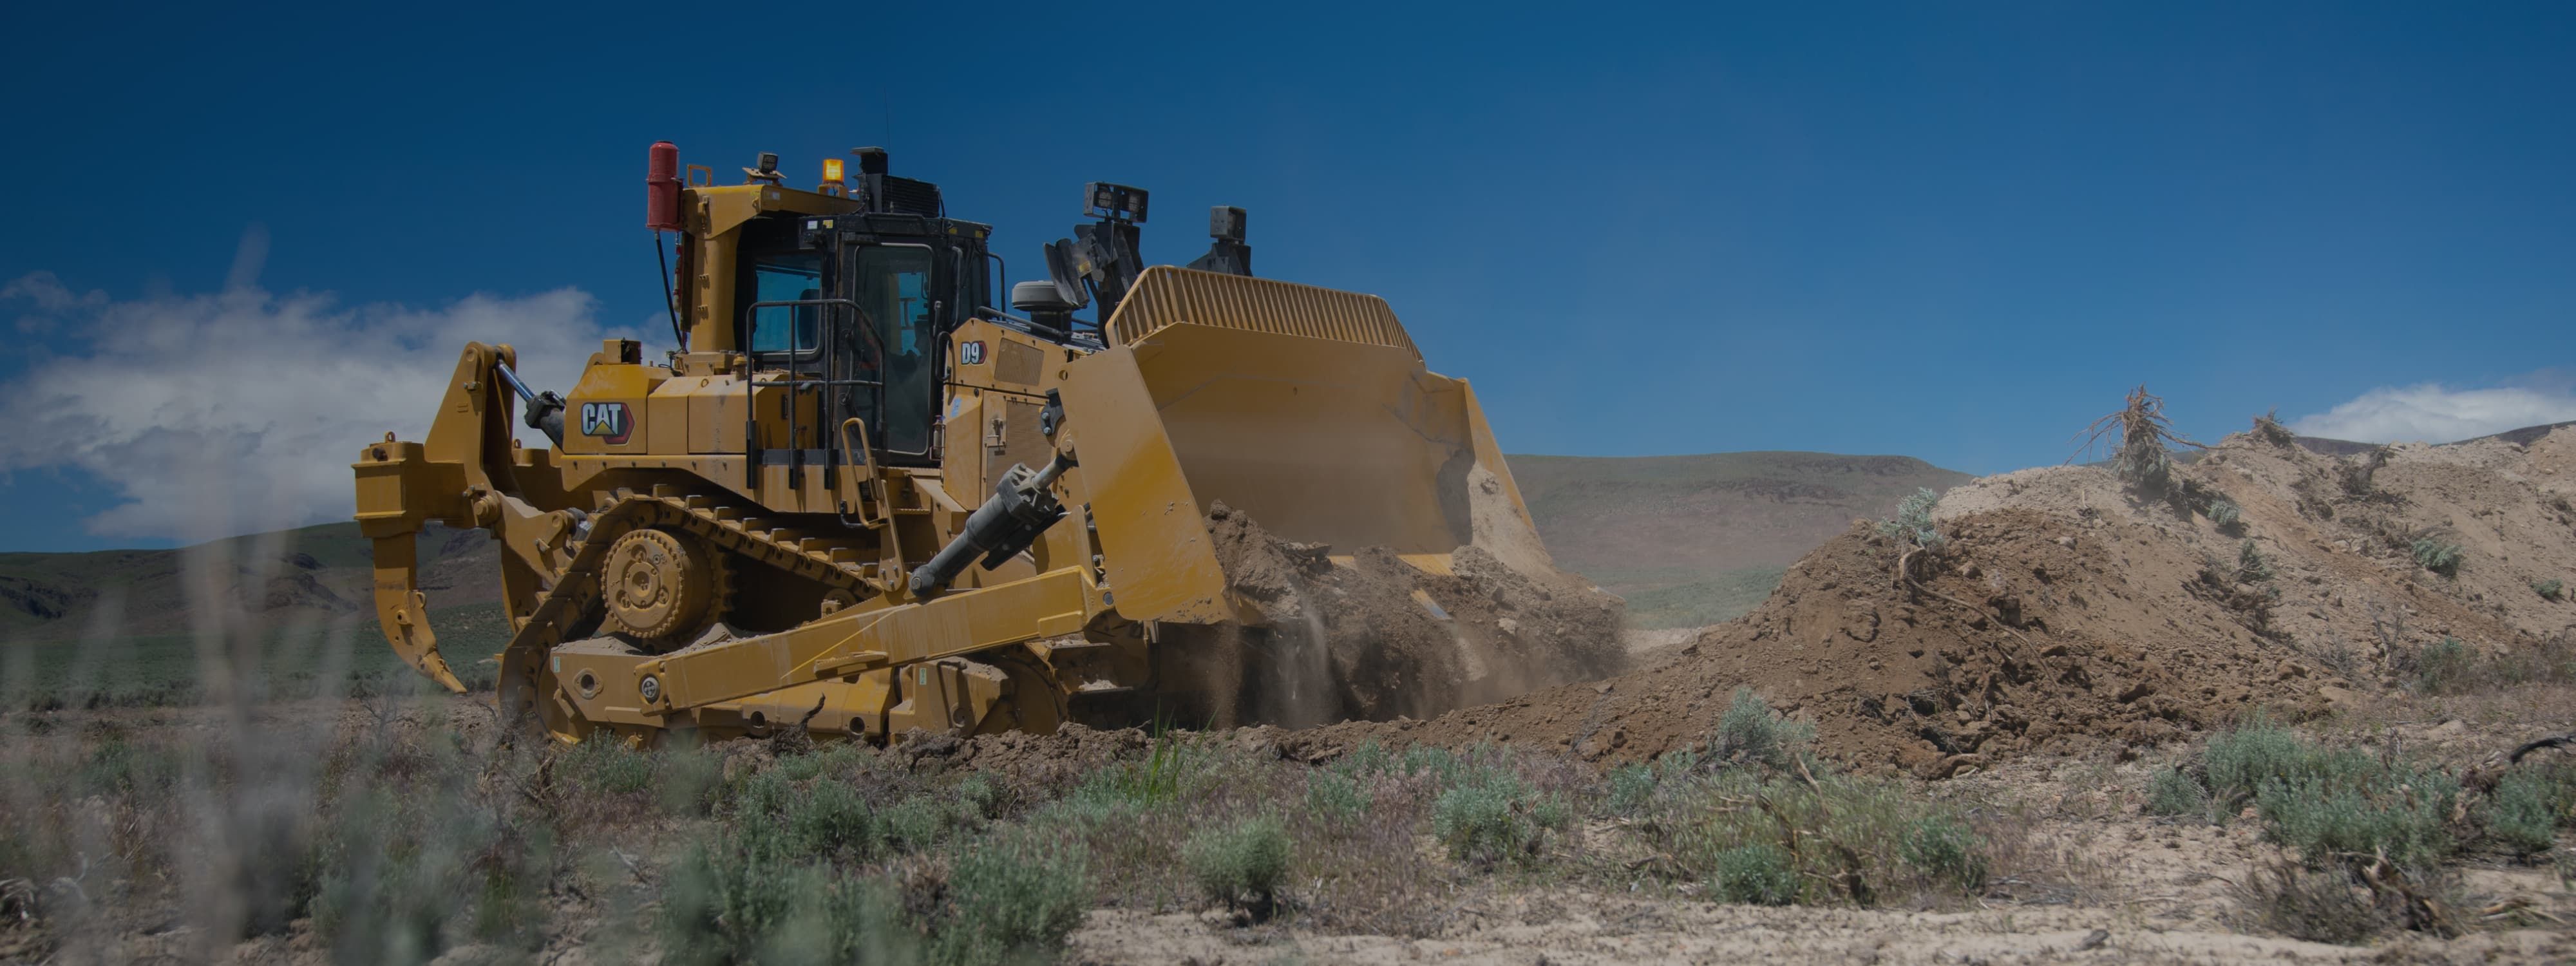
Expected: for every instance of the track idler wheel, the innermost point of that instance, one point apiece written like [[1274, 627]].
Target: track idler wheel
[[660, 585]]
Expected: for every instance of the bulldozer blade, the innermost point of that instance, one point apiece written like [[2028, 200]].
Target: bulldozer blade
[[1306, 409]]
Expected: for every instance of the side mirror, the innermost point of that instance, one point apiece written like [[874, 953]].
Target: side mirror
[[1066, 268]]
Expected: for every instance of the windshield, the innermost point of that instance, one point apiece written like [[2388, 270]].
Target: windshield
[[786, 278], [894, 287]]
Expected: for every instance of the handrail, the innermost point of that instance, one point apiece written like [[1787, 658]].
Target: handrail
[[823, 347]]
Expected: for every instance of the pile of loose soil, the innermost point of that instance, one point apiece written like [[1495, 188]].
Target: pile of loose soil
[[1371, 636], [2067, 614]]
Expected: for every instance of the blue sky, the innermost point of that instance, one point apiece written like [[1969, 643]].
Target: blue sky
[[1955, 231]]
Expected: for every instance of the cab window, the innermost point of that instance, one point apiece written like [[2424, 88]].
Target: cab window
[[786, 278]]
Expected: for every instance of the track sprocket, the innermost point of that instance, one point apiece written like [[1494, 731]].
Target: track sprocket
[[661, 584]]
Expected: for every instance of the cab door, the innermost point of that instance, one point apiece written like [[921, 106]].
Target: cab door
[[897, 287]]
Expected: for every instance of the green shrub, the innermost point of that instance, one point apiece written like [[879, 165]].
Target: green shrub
[[1094, 804], [1014, 895], [2329, 802], [399, 878], [2225, 513], [1757, 874], [2437, 556], [688, 779], [1858, 839], [1369, 758], [744, 899], [1333, 796], [1486, 822], [1172, 765], [2357, 806], [1913, 522], [830, 820], [920, 821], [1440, 763], [837, 919], [2529, 805], [2174, 792], [981, 797], [2441, 668], [2250, 565], [1631, 786], [606, 764], [1946, 850], [2239, 761], [727, 895], [1246, 859], [2550, 589], [1749, 733], [2518, 816]]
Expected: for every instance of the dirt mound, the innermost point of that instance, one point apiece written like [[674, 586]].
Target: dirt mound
[[1374, 636], [2066, 614]]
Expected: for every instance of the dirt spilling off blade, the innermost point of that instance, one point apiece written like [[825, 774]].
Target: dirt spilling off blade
[[2068, 615], [1374, 637]]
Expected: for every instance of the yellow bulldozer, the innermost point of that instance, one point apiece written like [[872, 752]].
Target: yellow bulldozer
[[859, 499]]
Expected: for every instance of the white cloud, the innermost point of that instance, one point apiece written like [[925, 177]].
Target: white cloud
[[241, 411], [2432, 414]]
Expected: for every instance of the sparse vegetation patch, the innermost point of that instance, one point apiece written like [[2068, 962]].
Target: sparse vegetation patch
[[2225, 514], [2436, 555], [1913, 523]]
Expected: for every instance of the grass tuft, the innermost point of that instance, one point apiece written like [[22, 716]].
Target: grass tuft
[[2324, 906], [606, 764], [1334, 797], [1631, 786], [1242, 864], [1750, 733], [2174, 792], [1760, 874], [1488, 821]]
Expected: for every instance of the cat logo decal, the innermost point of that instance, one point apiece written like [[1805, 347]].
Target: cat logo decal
[[607, 420]]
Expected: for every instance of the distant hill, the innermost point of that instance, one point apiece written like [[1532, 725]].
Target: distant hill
[[1692, 540], [2345, 447], [315, 572], [129, 626]]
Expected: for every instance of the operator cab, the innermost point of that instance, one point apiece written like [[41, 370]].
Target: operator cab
[[855, 307]]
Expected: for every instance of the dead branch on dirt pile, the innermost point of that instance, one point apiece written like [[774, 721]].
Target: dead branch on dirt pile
[[2146, 434], [1905, 578]]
